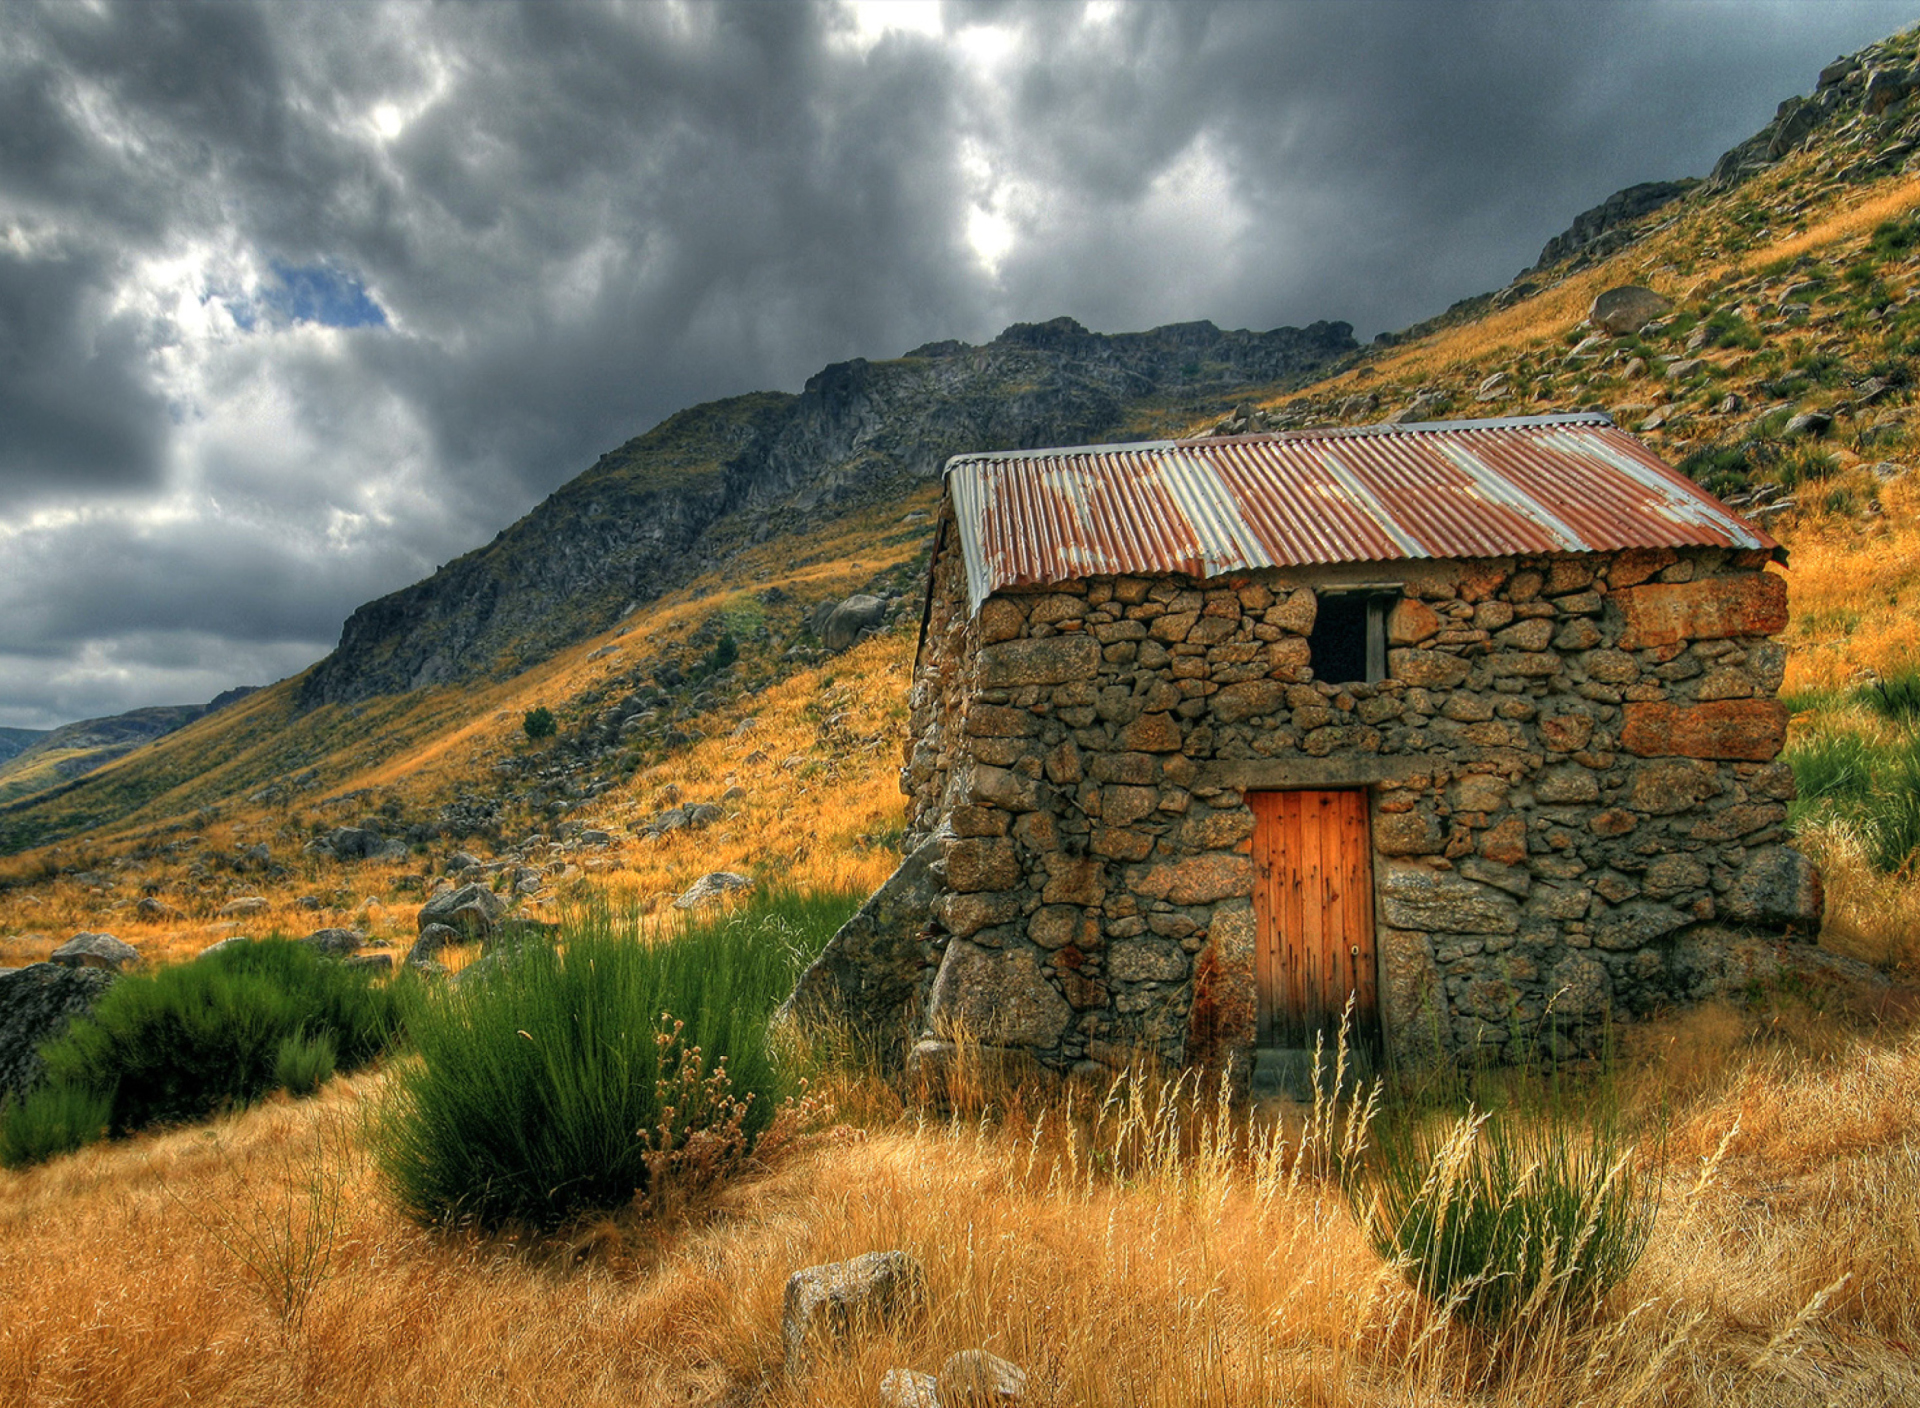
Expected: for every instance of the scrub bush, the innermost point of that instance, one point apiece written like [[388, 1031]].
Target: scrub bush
[[568, 1077]]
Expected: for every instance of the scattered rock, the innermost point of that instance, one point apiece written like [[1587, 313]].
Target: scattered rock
[[1683, 367], [36, 1004], [231, 941], [378, 962], [1493, 388], [335, 943], [1621, 310], [1814, 423], [433, 938], [973, 1378], [471, 909], [712, 887], [151, 908], [461, 861], [831, 1301], [96, 951], [245, 905], [851, 619], [906, 1388]]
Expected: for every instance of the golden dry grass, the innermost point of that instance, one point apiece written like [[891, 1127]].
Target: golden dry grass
[[1115, 1270]]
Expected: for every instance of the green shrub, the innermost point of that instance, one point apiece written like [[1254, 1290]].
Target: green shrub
[[302, 1063], [538, 723], [194, 1038], [52, 1120], [1498, 1219], [559, 1084]]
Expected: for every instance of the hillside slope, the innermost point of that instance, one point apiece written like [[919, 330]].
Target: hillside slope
[[50, 757]]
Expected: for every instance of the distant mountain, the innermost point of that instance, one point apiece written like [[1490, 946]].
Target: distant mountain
[[47, 757], [14, 741], [666, 506]]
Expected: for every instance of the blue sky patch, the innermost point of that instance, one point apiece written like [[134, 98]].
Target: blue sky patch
[[314, 293]]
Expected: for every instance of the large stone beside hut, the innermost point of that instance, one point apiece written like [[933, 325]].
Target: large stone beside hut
[[1471, 725]]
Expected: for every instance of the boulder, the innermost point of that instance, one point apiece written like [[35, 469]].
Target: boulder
[[375, 962], [433, 938], [1623, 309], [511, 933], [711, 887], [829, 1302], [461, 861], [851, 619], [907, 1388], [335, 943], [36, 1004], [245, 905], [96, 951], [973, 1378], [471, 909], [151, 908]]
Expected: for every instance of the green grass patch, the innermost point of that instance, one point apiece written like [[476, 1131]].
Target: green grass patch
[[195, 1038], [1871, 788], [561, 1082], [52, 1120]]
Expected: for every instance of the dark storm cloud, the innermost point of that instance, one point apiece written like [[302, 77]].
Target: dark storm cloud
[[299, 300]]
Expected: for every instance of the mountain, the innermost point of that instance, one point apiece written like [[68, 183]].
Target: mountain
[[14, 741], [673, 502], [49, 757]]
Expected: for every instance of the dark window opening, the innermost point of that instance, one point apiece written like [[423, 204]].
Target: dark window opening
[[1349, 639]]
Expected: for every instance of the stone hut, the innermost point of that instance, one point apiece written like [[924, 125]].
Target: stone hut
[[1471, 725]]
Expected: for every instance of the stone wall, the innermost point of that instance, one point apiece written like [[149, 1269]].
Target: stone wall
[[1574, 799]]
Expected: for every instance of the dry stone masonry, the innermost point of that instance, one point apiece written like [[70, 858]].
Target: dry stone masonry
[[1576, 808]]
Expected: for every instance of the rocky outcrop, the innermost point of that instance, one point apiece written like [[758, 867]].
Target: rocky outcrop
[[36, 1004], [1596, 233], [647, 517]]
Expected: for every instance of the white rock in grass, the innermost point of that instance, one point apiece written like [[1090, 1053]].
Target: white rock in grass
[[829, 1301], [906, 1388], [974, 1378], [712, 887], [96, 951]]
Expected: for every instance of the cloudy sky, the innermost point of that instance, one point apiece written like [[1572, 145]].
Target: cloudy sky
[[299, 301]]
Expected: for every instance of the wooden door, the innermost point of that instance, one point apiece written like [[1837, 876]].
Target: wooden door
[[1313, 909]]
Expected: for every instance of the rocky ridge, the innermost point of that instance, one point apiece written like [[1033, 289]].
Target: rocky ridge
[[655, 513]]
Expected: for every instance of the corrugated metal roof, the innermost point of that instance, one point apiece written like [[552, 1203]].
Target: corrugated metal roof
[[1452, 489]]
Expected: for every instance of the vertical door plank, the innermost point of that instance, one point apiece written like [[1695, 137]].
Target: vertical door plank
[[1292, 917], [1360, 893], [1266, 927], [1313, 919]]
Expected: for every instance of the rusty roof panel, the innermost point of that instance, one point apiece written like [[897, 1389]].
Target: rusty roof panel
[[1457, 489]]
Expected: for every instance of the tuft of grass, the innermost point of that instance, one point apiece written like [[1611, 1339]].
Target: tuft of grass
[[1871, 788], [52, 1120], [1500, 1220], [302, 1063], [560, 1083]]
